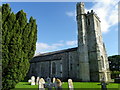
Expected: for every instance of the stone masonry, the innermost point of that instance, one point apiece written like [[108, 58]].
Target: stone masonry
[[87, 62]]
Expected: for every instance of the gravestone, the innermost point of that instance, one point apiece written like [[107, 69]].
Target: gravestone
[[103, 84], [42, 80], [53, 80], [29, 81], [41, 84], [37, 80], [70, 84], [32, 80], [49, 84], [58, 84]]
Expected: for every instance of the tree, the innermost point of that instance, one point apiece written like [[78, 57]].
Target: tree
[[18, 45], [114, 63]]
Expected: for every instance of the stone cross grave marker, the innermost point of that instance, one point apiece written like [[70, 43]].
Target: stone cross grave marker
[[37, 80], [32, 80], [49, 84], [70, 84]]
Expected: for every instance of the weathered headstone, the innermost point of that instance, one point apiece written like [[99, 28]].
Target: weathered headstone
[[53, 80], [37, 80], [41, 84], [32, 80], [49, 84], [29, 81], [103, 84], [58, 84], [42, 80], [70, 84]]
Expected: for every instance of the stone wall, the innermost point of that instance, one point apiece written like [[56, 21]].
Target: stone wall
[[61, 64], [96, 50], [87, 62]]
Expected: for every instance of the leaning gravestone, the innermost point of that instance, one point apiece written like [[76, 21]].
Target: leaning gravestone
[[58, 84], [41, 84], [32, 80], [37, 80], [70, 84], [42, 80]]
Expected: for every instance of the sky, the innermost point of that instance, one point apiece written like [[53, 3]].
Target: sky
[[57, 26]]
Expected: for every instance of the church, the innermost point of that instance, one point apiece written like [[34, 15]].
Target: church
[[86, 62]]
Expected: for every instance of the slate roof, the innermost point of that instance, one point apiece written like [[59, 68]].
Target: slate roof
[[48, 56]]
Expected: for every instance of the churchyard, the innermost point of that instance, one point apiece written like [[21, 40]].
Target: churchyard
[[65, 85], [35, 84]]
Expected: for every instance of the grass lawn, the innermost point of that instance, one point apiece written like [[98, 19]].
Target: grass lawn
[[87, 85]]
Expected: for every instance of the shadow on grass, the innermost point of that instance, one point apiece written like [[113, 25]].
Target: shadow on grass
[[27, 84]]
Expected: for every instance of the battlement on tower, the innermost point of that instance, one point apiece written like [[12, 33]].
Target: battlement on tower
[[93, 13], [81, 11]]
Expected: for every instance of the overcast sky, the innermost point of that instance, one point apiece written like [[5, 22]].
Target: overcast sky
[[57, 26]]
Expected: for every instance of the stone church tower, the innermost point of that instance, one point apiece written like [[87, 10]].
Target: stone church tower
[[87, 62], [92, 55]]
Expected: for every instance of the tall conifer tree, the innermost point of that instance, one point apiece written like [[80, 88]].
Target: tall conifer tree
[[18, 45]]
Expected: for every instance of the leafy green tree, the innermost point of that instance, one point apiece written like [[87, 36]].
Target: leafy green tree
[[18, 45], [114, 63]]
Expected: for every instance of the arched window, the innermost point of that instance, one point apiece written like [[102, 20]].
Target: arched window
[[102, 60], [53, 68], [88, 22]]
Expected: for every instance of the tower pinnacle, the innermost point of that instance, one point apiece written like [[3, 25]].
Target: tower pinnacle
[[80, 8]]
